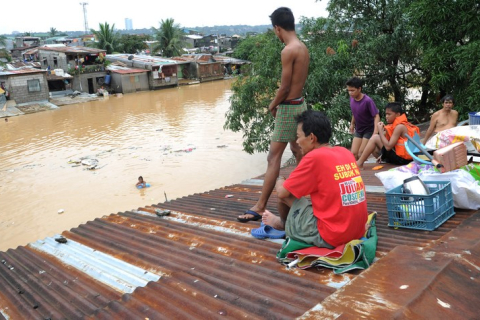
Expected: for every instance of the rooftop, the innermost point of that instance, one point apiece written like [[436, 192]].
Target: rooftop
[[199, 262]]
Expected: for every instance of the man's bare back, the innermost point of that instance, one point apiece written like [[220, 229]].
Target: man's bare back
[[301, 61]]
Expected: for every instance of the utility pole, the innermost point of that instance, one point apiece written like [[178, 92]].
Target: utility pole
[[84, 5]]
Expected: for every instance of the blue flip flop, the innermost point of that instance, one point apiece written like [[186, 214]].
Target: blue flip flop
[[265, 232], [255, 217]]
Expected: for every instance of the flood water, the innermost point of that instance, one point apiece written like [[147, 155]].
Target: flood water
[[174, 138]]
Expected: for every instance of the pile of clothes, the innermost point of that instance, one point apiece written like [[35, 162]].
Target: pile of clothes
[[357, 254]]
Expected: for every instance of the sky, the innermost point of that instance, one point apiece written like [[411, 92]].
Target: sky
[[67, 15]]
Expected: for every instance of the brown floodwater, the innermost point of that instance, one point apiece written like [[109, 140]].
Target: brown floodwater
[[174, 138]]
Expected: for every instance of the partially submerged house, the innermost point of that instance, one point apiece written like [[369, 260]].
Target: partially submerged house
[[25, 85], [232, 65], [200, 66], [161, 72], [84, 65], [127, 80]]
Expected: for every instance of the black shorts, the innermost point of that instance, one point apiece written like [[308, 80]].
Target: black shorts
[[363, 135], [391, 157]]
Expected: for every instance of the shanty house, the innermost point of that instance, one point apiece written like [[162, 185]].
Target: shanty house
[[200, 66], [161, 72], [84, 64], [127, 80], [25, 85]]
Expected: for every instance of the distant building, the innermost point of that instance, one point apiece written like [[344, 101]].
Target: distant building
[[128, 24]]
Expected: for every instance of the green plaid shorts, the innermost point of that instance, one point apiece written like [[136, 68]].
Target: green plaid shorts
[[285, 124]]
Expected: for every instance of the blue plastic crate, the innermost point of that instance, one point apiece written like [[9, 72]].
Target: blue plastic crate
[[474, 118], [423, 212]]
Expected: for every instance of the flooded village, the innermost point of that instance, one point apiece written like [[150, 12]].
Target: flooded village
[[41, 75], [79, 240]]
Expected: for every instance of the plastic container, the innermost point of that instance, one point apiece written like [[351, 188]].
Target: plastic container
[[422, 212], [473, 118]]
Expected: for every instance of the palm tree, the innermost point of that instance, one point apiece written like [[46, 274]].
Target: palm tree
[[53, 32], [107, 38], [169, 37]]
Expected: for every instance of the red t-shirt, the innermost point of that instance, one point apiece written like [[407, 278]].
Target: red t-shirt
[[331, 177]]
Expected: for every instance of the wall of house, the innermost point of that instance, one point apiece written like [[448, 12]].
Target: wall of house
[[80, 82], [210, 71], [116, 82], [49, 58], [135, 82], [167, 78], [18, 88]]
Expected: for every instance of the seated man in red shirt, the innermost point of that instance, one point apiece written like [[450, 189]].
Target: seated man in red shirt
[[336, 212]]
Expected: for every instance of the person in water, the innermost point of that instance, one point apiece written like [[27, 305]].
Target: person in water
[[141, 183]]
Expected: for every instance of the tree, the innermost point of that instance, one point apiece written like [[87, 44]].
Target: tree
[[107, 37], [169, 37], [3, 51], [131, 43], [53, 32], [252, 94], [447, 32]]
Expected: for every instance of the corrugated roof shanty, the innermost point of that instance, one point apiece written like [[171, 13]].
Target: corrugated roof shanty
[[199, 262]]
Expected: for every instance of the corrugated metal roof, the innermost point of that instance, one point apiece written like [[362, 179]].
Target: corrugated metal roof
[[21, 71], [141, 60], [208, 266], [74, 50], [126, 70]]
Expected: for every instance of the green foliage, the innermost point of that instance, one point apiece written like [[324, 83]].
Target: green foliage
[[169, 37], [4, 53], [53, 32], [399, 47], [131, 43], [447, 32], [107, 38], [252, 94]]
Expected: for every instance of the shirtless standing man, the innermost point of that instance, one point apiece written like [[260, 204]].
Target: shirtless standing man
[[288, 103], [443, 119]]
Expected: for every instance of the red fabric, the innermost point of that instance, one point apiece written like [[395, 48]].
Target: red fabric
[[331, 177], [400, 145], [318, 252]]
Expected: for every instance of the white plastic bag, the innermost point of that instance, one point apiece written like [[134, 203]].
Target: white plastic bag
[[465, 189], [392, 179]]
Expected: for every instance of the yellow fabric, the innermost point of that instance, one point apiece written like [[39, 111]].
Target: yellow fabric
[[2, 91], [348, 256]]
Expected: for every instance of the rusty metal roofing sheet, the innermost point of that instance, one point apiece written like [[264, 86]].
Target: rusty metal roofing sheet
[[21, 71], [128, 71], [207, 264], [438, 282], [75, 49]]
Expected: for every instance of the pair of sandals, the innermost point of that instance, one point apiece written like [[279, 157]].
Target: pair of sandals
[[264, 232]]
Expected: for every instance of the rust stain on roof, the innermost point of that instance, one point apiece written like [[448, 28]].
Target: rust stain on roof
[[211, 267], [128, 71]]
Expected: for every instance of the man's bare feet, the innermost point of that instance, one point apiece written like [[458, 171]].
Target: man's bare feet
[[272, 220]]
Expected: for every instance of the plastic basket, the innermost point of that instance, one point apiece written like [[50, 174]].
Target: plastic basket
[[473, 118], [423, 212]]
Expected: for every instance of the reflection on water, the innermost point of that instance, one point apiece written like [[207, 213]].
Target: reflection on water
[[174, 138]]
